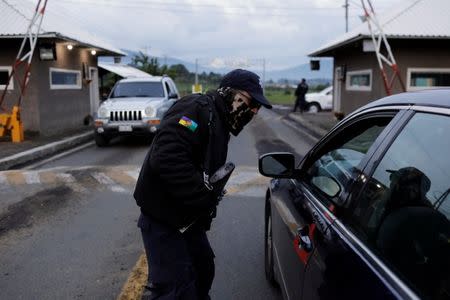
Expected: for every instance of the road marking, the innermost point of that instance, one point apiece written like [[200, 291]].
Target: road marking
[[15, 177], [47, 177], [105, 180], [102, 178], [134, 174], [4, 184], [71, 182], [134, 286], [121, 176], [32, 177]]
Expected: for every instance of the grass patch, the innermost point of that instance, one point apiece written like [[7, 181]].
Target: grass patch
[[280, 96]]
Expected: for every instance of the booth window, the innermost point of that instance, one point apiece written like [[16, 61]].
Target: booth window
[[359, 80], [428, 78], [61, 79], [4, 76]]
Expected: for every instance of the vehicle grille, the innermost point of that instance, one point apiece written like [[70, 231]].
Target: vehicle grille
[[125, 115]]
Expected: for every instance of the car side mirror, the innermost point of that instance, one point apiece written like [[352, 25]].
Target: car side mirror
[[277, 165], [173, 95]]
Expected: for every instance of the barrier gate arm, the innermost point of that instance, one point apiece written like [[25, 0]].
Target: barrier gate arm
[[378, 42], [12, 121]]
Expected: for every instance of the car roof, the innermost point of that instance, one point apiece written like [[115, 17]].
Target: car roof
[[143, 79], [434, 97]]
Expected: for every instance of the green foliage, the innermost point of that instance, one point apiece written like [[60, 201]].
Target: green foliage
[[146, 63], [280, 95]]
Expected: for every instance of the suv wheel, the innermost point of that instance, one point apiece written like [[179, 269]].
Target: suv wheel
[[268, 249], [314, 108], [101, 140]]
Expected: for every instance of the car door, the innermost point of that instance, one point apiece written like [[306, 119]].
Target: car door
[[285, 220], [328, 176], [401, 215]]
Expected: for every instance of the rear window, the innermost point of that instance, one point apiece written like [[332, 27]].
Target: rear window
[[138, 89]]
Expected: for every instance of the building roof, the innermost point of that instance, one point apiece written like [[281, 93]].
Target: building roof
[[143, 79], [15, 16], [411, 19], [124, 71]]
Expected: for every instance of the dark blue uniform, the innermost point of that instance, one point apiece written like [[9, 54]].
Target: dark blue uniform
[[171, 194]]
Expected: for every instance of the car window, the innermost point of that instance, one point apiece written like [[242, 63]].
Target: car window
[[404, 209], [138, 89], [339, 159]]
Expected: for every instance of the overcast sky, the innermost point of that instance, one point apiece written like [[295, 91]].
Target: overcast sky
[[282, 32]]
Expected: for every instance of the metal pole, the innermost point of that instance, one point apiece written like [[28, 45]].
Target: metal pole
[[196, 71], [264, 76], [346, 15]]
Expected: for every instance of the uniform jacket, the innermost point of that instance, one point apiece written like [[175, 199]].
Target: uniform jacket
[[170, 187], [301, 90]]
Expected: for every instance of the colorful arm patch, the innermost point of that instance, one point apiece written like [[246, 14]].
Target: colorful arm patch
[[188, 123]]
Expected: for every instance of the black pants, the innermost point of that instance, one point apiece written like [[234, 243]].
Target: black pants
[[181, 265], [301, 103]]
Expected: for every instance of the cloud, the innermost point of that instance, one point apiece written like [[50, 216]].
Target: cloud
[[282, 32]]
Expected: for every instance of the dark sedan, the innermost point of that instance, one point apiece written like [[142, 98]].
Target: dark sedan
[[365, 215]]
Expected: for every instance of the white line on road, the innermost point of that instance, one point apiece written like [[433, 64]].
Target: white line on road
[[102, 178], [3, 181], [133, 174], [71, 182], [31, 177]]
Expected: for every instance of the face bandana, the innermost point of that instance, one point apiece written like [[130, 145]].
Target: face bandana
[[239, 113]]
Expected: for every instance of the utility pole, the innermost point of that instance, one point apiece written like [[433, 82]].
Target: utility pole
[[264, 75], [346, 5], [196, 71]]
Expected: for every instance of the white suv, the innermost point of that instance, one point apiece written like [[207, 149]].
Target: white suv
[[322, 100], [135, 106]]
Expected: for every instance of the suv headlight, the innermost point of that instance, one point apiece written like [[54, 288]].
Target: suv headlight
[[102, 112], [150, 111]]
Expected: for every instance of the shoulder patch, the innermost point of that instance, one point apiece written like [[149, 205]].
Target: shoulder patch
[[188, 123]]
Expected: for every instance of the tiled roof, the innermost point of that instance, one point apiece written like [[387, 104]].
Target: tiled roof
[[15, 16], [412, 19]]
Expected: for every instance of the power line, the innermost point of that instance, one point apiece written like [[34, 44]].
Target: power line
[[190, 5], [195, 8]]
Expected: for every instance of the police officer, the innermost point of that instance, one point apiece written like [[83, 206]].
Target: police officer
[[171, 190], [300, 93]]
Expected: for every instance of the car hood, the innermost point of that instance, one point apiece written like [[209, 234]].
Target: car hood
[[132, 103], [312, 95]]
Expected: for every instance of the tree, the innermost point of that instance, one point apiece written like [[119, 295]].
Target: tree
[[146, 63]]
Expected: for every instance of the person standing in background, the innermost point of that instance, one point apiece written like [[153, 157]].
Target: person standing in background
[[300, 93]]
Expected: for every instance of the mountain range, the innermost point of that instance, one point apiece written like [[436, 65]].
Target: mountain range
[[292, 74]]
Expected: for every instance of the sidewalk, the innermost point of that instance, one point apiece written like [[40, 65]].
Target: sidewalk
[[37, 147], [317, 124]]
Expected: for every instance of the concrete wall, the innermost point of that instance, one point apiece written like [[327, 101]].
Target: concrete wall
[[44, 110], [62, 110], [408, 54]]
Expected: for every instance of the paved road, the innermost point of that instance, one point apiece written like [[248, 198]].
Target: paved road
[[68, 230]]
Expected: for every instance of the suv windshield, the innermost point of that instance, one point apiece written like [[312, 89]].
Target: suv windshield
[[138, 89]]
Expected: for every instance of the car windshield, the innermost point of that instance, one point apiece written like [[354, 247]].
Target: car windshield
[[138, 89]]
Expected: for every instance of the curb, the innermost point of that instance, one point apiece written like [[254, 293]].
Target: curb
[[43, 151], [308, 126]]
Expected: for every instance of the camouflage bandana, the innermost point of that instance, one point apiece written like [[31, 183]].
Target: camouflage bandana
[[239, 113]]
